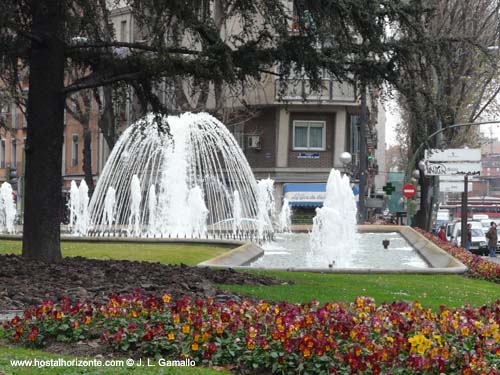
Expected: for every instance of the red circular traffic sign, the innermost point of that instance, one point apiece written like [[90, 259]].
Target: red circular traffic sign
[[409, 191]]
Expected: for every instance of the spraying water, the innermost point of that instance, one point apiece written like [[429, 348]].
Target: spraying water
[[78, 208], [152, 203], [265, 204], [285, 217], [83, 213], [199, 153], [198, 212], [333, 235], [7, 209], [236, 212], [134, 221], [109, 206], [74, 204]]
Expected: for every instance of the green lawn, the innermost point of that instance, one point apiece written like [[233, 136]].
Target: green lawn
[[8, 354], [431, 290], [149, 252]]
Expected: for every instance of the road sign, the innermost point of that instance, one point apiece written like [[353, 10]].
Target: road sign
[[454, 187], [453, 155], [389, 188], [452, 169], [457, 179], [409, 191]]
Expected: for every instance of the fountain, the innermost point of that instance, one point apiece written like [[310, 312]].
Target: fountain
[[236, 212], [182, 184], [333, 235], [7, 209], [78, 207], [334, 244], [285, 217], [265, 205], [109, 206]]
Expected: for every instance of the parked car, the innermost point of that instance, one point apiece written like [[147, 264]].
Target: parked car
[[485, 223], [479, 243]]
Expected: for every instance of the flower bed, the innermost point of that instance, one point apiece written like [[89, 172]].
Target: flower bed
[[478, 267], [358, 337]]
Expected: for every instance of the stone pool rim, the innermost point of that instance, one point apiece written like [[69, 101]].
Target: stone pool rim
[[439, 261]]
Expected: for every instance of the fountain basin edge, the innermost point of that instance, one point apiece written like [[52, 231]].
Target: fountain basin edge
[[439, 261]]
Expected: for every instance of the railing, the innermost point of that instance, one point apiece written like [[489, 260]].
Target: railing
[[329, 90]]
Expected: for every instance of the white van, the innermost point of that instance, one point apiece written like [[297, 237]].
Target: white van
[[478, 217], [479, 243]]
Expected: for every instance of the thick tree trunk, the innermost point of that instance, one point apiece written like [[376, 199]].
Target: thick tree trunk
[[43, 198], [87, 158], [423, 217]]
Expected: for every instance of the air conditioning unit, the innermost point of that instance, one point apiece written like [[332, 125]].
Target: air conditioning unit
[[254, 142]]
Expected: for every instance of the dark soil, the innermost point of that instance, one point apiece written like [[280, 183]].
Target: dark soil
[[28, 282]]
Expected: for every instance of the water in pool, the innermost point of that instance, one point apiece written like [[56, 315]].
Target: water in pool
[[291, 250]]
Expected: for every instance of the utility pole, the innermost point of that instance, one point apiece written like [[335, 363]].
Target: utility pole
[[362, 157], [463, 236]]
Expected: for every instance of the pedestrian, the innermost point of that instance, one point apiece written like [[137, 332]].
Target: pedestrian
[[492, 237], [468, 242], [442, 233]]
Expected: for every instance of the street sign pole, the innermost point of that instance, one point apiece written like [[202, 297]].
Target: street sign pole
[[463, 236], [362, 158]]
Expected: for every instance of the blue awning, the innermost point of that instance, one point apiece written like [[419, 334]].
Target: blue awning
[[311, 195], [303, 187]]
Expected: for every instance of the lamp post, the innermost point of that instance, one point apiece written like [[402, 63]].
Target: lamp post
[[346, 159]]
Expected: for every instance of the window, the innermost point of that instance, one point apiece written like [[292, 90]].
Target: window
[[74, 151], [13, 154], [123, 31], [309, 135], [2, 153]]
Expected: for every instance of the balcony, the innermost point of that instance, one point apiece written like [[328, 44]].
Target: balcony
[[331, 91]]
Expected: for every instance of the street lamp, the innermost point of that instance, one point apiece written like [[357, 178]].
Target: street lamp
[[346, 159]]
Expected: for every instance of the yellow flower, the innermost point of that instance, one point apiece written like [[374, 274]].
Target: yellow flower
[[171, 336], [465, 331], [186, 328], [166, 298], [195, 347]]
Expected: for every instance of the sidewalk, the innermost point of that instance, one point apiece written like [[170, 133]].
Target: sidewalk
[[494, 259]]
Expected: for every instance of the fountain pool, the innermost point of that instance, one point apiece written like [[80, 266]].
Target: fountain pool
[[291, 250]]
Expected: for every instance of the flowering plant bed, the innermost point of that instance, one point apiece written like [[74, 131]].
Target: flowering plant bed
[[358, 337], [478, 267]]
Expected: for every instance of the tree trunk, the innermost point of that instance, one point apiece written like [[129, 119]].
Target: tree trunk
[[107, 122], [423, 217], [43, 198], [87, 158]]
